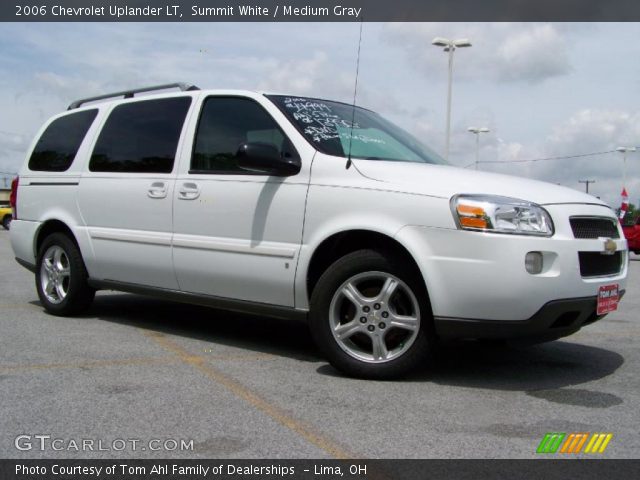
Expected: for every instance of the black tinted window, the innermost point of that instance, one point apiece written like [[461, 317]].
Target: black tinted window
[[225, 124], [141, 137], [60, 142]]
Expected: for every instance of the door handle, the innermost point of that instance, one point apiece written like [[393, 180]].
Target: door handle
[[189, 191], [157, 190]]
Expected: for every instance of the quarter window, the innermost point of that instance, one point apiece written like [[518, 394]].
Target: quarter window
[[60, 142], [225, 124], [141, 137]]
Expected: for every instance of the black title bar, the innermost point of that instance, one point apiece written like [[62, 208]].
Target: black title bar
[[209, 469], [318, 10]]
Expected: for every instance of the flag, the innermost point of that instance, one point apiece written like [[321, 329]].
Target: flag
[[625, 203]]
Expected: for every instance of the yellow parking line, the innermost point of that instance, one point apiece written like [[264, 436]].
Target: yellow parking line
[[209, 355], [125, 362], [96, 363], [18, 307], [251, 397]]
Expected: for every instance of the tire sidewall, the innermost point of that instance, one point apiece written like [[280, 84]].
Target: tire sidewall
[[339, 272], [78, 290]]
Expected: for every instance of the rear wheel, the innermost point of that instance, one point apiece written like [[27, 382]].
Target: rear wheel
[[61, 277], [6, 222], [371, 317]]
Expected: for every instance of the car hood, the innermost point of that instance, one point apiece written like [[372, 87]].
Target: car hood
[[446, 181]]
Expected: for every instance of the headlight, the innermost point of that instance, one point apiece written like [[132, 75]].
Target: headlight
[[490, 213]]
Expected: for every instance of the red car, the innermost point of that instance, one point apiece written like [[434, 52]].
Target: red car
[[632, 234]]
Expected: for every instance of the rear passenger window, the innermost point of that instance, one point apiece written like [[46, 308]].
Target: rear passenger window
[[60, 142], [141, 137], [225, 124]]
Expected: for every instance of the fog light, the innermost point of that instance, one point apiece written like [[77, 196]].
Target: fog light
[[533, 262]]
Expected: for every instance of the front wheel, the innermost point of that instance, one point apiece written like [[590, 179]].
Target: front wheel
[[61, 277], [371, 317]]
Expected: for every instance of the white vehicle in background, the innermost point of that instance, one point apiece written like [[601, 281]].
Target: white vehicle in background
[[299, 207]]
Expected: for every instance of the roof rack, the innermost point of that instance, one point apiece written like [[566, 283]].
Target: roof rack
[[185, 87]]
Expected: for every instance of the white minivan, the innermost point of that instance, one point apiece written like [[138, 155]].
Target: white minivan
[[299, 207]]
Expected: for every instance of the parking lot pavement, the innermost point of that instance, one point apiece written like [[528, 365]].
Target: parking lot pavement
[[135, 368]]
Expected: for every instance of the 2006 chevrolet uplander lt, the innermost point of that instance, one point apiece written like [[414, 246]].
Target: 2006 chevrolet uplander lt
[[288, 206]]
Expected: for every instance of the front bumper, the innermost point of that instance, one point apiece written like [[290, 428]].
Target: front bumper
[[482, 276], [555, 319]]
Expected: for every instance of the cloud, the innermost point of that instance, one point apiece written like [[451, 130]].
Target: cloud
[[511, 68], [506, 52], [312, 75], [44, 76], [594, 129], [585, 131], [532, 55], [12, 147]]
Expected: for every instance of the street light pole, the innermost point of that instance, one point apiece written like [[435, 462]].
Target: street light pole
[[450, 86], [624, 151], [477, 131], [450, 47]]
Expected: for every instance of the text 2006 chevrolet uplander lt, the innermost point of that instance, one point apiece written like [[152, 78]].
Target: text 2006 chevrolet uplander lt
[[299, 207]]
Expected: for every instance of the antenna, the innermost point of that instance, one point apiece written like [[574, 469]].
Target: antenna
[[355, 93]]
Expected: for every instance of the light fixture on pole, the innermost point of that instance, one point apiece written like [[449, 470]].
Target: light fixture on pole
[[477, 131], [450, 47], [624, 151]]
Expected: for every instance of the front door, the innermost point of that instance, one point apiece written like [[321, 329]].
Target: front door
[[237, 233]]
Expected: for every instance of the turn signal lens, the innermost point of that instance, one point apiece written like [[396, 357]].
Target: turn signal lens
[[472, 216], [473, 222], [470, 210]]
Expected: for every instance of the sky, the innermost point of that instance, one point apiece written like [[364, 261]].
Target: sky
[[543, 89]]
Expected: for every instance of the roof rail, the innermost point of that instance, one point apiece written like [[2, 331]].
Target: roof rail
[[130, 93]]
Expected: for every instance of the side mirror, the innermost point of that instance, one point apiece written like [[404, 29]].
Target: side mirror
[[265, 158]]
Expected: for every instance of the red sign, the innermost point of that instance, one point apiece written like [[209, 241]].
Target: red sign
[[607, 299]]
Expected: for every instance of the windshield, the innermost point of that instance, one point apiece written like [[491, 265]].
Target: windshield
[[327, 126]]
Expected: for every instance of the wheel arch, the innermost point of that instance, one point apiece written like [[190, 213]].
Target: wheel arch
[[344, 242], [49, 227]]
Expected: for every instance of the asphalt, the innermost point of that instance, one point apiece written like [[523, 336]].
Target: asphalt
[[237, 386]]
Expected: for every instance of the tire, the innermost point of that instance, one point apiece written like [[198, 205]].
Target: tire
[[6, 222], [364, 332], [61, 277]]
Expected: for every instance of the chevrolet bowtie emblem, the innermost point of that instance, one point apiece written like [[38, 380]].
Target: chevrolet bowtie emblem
[[610, 247]]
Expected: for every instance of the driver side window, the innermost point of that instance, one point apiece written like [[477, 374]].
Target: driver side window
[[225, 124]]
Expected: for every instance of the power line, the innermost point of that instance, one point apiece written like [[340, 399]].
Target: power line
[[545, 159]]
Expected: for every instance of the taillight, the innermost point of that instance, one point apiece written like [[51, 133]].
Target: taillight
[[13, 197]]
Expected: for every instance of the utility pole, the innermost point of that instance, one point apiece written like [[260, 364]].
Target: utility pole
[[586, 184]]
